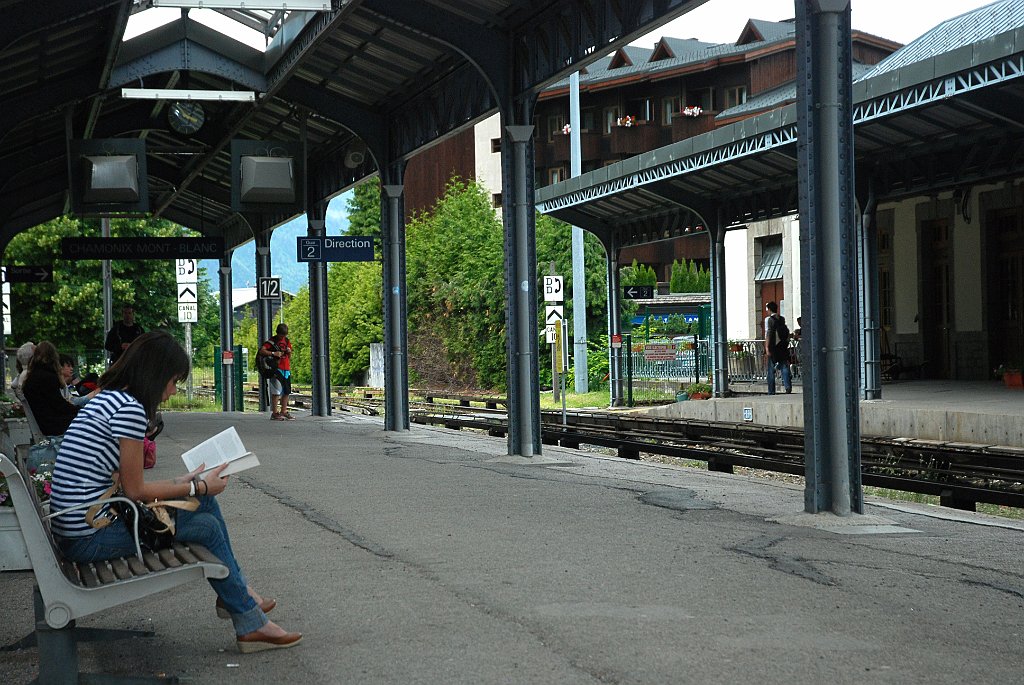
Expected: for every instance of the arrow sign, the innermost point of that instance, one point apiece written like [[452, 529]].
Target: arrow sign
[[29, 274], [187, 293], [638, 292], [553, 313]]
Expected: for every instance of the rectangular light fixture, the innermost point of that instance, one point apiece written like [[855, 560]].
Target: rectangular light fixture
[[312, 5], [180, 94]]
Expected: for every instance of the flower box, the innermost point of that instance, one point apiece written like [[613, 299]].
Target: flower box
[[1012, 378], [13, 553]]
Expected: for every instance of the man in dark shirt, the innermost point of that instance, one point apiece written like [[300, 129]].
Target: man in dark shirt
[[122, 334]]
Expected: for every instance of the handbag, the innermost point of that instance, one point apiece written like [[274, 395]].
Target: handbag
[[157, 519]]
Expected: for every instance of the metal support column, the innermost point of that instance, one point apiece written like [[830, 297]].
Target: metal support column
[[828, 258], [320, 363], [579, 271], [614, 324], [870, 309], [108, 287], [719, 329], [396, 341], [265, 308], [227, 335], [524, 436]]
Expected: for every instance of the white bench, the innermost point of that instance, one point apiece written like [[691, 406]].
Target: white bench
[[66, 591]]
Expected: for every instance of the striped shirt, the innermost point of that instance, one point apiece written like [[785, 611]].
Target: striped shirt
[[90, 454]]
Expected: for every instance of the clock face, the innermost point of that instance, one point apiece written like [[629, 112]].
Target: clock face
[[186, 117]]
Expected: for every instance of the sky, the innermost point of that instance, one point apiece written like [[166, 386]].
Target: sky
[[721, 21]]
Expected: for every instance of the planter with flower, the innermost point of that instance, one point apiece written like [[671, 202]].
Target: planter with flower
[[631, 136], [691, 121], [13, 553], [699, 391]]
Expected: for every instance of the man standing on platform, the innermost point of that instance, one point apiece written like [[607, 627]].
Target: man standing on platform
[[776, 348], [122, 334], [280, 386]]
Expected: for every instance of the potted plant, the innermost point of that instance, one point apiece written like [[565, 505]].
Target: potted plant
[[735, 346], [699, 391]]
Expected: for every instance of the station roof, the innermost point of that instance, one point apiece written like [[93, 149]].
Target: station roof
[[381, 78], [947, 118]]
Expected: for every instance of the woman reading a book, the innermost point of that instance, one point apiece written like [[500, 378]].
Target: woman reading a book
[[105, 440]]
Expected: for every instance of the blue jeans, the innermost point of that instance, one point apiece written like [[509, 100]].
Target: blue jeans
[[204, 526], [787, 382]]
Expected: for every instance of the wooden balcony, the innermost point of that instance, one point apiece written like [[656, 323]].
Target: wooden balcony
[[627, 141], [686, 127], [590, 146]]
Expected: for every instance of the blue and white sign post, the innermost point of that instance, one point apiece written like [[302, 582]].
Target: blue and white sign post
[[329, 248]]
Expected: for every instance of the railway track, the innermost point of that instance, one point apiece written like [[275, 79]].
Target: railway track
[[960, 474]]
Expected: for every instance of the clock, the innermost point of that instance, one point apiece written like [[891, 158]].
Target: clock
[[186, 117]]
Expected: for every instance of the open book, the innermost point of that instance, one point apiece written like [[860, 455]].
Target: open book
[[223, 448]]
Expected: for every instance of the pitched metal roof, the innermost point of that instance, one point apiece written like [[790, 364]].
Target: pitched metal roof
[[386, 76], [948, 120]]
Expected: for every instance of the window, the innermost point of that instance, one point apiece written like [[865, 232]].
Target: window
[[588, 119], [701, 97], [495, 145], [639, 108], [669, 107], [610, 115], [555, 124], [496, 200], [556, 175], [886, 286], [771, 260], [735, 96]]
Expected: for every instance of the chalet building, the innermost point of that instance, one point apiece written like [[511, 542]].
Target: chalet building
[[640, 99]]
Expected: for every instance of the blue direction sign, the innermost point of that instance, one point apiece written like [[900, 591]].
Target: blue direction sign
[[329, 248]]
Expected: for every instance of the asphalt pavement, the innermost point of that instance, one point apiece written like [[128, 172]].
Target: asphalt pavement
[[426, 557]]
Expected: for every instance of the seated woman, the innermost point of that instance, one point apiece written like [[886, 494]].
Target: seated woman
[[44, 391], [70, 391], [106, 438]]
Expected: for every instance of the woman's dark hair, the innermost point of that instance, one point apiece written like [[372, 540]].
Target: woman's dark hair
[[146, 367], [45, 357]]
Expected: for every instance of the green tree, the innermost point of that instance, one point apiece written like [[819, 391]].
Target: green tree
[[357, 318], [455, 283], [689, 277], [364, 209], [73, 316]]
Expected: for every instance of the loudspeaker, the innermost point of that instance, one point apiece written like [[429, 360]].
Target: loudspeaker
[[356, 155], [110, 178], [267, 179]]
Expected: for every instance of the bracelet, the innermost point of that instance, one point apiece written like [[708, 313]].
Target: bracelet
[[192, 488], [206, 487]]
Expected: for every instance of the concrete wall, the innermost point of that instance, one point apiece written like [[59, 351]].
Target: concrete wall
[[488, 164], [737, 284], [905, 258]]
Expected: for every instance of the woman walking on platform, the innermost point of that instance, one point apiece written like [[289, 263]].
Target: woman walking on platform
[[105, 440]]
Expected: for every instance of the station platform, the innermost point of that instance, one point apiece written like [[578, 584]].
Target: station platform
[[974, 412], [430, 556]]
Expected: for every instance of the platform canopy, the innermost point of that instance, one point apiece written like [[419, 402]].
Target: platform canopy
[[941, 113], [367, 82]]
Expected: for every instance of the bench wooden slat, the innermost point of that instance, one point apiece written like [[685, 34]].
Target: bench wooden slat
[[184, 554], [88, 575], [203, 554], [138, 568], [104, 573], [167, 556], [152, 561], [120, 569]]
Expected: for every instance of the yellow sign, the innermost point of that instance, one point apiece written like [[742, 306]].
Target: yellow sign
[[559, 356]]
